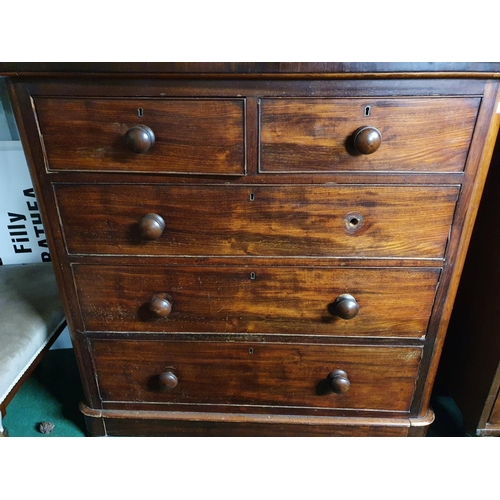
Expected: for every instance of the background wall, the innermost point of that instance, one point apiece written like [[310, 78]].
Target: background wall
[[22, 235]]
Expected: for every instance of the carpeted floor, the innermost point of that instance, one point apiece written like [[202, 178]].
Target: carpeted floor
[[51, 394], [54, 390]]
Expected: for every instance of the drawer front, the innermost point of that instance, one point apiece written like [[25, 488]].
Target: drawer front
[[204, 136], [300, 220], [241, 373], [317, 135], [280, 300]]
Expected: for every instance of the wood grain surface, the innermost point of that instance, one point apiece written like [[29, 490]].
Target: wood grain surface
[[314, 135], [260, 215], [225, 299], [261, 374], [191, 135], [226, 220]]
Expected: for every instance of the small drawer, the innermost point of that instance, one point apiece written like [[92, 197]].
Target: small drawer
[[239, 221], [197, 136], [364, 302], [247, 374], [369, 134]]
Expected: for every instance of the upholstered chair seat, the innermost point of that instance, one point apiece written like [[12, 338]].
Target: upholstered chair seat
[[31, 317]]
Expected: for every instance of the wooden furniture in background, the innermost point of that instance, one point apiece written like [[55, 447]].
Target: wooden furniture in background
[[258, 249], [470, 366]]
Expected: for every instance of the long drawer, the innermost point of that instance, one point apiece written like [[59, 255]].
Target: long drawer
[[366, 134], [355, 302], [200, 136], [320, 376], [235, 220]]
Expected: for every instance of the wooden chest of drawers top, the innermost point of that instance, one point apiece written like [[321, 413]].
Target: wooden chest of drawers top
[[272, 245]]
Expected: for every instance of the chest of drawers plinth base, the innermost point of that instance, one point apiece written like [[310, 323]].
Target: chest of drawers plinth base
[[176, 424]]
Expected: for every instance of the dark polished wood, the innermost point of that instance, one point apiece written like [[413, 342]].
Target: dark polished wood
[[242, 299], [366, 140], [190, 135], [168, 380], [161, 305], [345, 306], [140, 139], [151, 226], [254, 220], [385, 69], [319, 135], [339, 382], [246, 374], [254, 212]]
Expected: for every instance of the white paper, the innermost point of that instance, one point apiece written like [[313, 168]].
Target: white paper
[[22, 235]]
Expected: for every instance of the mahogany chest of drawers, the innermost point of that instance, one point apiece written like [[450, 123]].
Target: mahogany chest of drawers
[[257, 249]]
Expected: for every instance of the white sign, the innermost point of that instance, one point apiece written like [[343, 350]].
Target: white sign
[[22, 236]]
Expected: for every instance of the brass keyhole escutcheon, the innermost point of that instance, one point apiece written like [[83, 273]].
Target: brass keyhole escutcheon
[[353, 222]]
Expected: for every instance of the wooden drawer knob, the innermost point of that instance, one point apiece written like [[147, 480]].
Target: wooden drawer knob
[[168, 380], [151, 226], [367, 140], [140, 139], [338, 381], [161, 304], [344, 306]]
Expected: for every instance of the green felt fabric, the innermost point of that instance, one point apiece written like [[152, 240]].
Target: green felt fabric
[[51, 394]]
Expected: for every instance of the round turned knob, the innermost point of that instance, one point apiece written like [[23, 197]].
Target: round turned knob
[[151, 226], [161, 304], [140, 139], [168, 380], [338, 381], [367, 140], [345, 307]]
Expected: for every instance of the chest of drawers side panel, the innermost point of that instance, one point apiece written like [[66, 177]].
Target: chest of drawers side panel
[[470, 365]]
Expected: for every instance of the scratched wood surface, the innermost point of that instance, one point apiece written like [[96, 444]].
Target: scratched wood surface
[[228, 373], [313, 135], [191, 135], [355, 221], [290, 300], [269, 217]]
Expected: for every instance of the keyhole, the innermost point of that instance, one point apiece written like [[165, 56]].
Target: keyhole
[[253, 276], [367, 110], [353, 222], [252, 196], [250, 351], [140, 112]]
